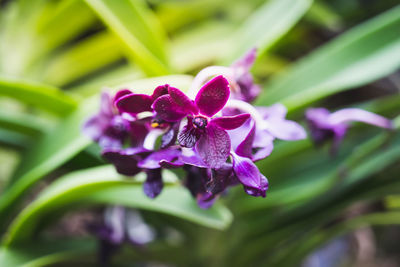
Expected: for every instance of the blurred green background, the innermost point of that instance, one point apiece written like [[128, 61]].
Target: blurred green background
[[56, 56]]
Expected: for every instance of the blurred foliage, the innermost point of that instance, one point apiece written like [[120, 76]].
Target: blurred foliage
[[56, 56]]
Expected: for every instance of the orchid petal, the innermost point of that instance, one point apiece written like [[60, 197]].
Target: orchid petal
[[134, 103], [190, 157], [286, 129], [258, 192], [214, 146], [106, 105], [249, 175], [206, 200], [263, 142], [124, 161], [159, 91], [213, 96], [231, 122], [219, 179], [168, 110], [171, 164], [182, 100], [356, 114], [153, 160], [189, 135], [246, 61], [277, 110], [121, 93], [245, 148]]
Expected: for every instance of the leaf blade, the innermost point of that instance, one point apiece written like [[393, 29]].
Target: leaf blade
[[351, 60], [91, 185]]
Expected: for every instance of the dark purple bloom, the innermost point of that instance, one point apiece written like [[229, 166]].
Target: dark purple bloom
[[221, 137], [325, 125], [206, 133]]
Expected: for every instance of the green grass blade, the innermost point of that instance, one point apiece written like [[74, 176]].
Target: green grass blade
[[87, 56], [361, 55], [39, 95], [23, 123], [52, 150], [138, 30], [62, 22]]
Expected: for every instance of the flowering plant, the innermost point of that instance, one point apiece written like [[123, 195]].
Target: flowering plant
[[215, 137], [229, 133]]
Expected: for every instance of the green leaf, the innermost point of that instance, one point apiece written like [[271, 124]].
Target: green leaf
[[174, 200], [44, 253], [50, 151], [39, 95], [14, 139], [23, 123], [138, 29], [269, 23], [190, 50], [104, 185], [73, 16], [361, 55], [87, 56]]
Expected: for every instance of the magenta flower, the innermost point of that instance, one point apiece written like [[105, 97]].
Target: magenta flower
[[221, 136], [325, 125], [205, 132]]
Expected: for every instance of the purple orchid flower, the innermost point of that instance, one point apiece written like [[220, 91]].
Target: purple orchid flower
[[325, 125], [206, 133], [221, 137], [238, 75]]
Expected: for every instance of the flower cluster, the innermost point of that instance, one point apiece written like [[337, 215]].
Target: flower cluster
[[213, 133]]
